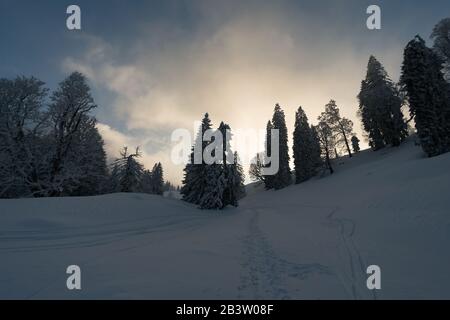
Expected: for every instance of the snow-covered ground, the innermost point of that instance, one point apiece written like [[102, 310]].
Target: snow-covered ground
[[390, 208]]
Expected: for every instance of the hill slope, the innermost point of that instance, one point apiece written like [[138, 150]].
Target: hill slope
[[315, 240]]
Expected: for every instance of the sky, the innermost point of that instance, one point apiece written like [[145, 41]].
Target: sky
[[156, 66]]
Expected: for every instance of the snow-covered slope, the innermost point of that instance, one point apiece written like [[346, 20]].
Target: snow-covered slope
[[390, 208]]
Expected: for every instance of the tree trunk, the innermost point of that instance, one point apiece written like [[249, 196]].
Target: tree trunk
[[346, 144], [327, 158]]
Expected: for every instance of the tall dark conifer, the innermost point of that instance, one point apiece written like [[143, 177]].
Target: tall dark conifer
[[380, 108], [428, 96], [303, 148], [195, 173], [283, 177]]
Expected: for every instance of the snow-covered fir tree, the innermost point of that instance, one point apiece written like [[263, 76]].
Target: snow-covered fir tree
[[355, 144], [157, 179], [428, 96], [128, 171], [86, 160], [215, 184], [303, 148], [146, 181], [441, 37], [227, 196], [233, 172], [235, 181], [255, 169], [283, 177], [380, 108], [194, 180], [152, 181]]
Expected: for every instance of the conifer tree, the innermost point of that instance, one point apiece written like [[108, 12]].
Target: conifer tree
[[441, 37], [428, 96], [215, 184], [255, 171], [380, 108], [128, 171], [86, 162], [303, 148], [283, 177], [227, 196], [146, 181], [157, 179], [194, 181], [236, 181]]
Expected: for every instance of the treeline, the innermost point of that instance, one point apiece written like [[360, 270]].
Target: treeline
[[314, 146], [423, 87], [216, 185], [50, 145]]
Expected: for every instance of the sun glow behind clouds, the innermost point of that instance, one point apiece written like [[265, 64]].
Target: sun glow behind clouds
[[236, 69]]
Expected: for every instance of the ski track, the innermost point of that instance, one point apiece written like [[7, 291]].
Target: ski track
[[356, 278], [125, 234], [69, 238], [264, 273]]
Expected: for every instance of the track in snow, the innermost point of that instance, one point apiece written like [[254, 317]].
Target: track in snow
[[265, 274], [355, 280]]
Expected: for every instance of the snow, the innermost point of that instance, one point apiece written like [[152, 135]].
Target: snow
[[309, 241]]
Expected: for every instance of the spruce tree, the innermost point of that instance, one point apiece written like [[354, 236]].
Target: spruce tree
[[113, 184], [380, 108], [235, 181], [441, 37], [255, 170], [283, 177], [86, 160], [147, 182], [227, 197], [303, 148], [128, 171], [194, 181], [157, 179], [428, 96], [215, 184]]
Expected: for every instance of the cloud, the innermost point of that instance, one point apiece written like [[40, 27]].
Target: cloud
[[115, 141], [235, 67]]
